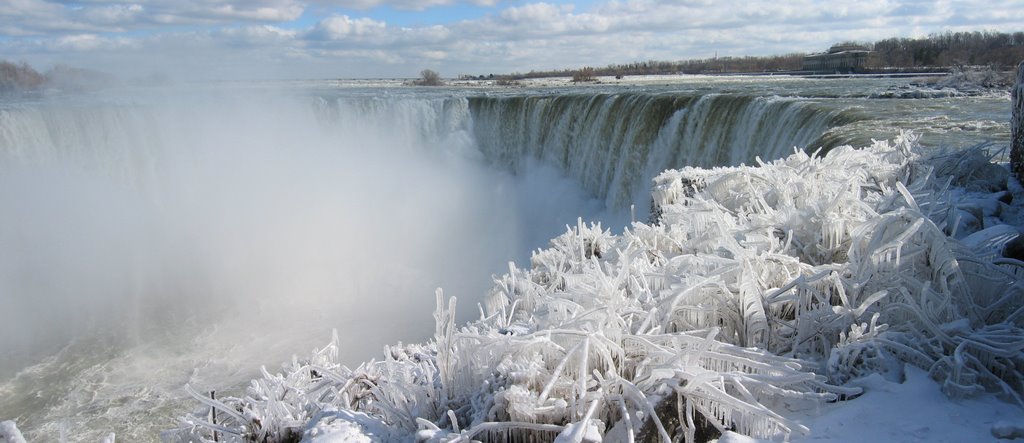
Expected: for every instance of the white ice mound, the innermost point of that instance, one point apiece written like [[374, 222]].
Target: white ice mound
[[9, 432], [757, 291]]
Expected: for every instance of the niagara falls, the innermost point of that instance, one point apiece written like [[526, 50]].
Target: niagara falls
[[255, 223]]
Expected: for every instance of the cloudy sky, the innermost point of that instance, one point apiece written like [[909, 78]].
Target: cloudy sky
[[257, 39]]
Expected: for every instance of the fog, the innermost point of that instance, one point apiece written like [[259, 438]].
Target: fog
[[191, 238]]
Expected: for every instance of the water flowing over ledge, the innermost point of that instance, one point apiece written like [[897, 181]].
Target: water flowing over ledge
[[759, 291], [613, 144]]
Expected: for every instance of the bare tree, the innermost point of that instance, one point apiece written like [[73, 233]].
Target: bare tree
[[584, 75], [429, 77]]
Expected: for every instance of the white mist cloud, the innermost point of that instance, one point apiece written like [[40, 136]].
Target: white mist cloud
[[254, 214]]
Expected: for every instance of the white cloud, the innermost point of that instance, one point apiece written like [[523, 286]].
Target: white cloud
[[535, 12], [414, 5], [92, 42], [47, 17], [342, 26], [113, 14], [522, 37], [260, 35], [286, 11]]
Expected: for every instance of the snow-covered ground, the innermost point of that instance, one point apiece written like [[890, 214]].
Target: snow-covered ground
[[913, 411], [779, 302]]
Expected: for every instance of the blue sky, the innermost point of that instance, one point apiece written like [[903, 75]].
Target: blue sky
[[257, 39]]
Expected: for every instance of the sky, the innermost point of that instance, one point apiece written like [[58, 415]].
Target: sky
[[304, 39]]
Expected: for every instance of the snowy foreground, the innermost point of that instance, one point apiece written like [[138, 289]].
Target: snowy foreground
[[777, 302], [786, 301]]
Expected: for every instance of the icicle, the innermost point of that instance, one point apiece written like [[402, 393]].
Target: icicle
[[584, 361], [556, 372], [627, 420], [454, 421]]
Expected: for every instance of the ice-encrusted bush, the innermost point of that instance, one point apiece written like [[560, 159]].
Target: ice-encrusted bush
[[759, 290]]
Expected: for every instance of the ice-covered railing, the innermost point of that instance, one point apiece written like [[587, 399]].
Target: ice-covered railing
[[757, 291]]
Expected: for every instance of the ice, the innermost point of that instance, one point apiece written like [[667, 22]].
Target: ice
[[1007, 430], [9, 432], [759, 297], [581, 432], [914, 410]]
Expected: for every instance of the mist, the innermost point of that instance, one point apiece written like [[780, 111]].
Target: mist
[[208, 234]]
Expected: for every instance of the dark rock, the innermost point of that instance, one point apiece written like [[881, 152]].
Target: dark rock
[[1015, 248]]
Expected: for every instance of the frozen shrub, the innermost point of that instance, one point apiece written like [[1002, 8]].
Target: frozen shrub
[[758, 291]]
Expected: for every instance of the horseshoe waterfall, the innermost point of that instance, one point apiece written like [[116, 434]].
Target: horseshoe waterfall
[[677, 262]]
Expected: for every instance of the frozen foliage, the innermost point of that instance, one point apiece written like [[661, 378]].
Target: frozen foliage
[[9, 433], [756, 292]]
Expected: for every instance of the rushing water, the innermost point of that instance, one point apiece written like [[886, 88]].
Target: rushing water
[[156, 238]]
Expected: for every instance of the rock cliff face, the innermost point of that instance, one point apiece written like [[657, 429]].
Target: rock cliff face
[[1017, 126]]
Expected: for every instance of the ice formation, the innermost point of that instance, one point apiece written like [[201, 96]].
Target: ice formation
[[753, 291], [9, 433]]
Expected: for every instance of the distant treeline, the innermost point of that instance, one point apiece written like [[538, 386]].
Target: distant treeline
[[994, 49], [937, 52], [21, 78]]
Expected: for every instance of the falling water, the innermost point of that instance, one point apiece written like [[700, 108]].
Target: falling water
[[613, 144]]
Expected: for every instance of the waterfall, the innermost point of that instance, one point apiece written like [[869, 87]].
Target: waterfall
[[188, 189], [613, 144], [151, 241], [134, 214]]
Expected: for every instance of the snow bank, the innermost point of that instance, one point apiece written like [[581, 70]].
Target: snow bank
[[961, 82], [9, 433], [756, 292], [915, 410]]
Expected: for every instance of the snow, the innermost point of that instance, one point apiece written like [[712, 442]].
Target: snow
[[338, 431], [9, 432], [588, 431], [1004, 430], [913, 411], [780, 302]]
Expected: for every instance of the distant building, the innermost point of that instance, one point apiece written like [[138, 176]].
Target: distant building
[[839, 58]]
